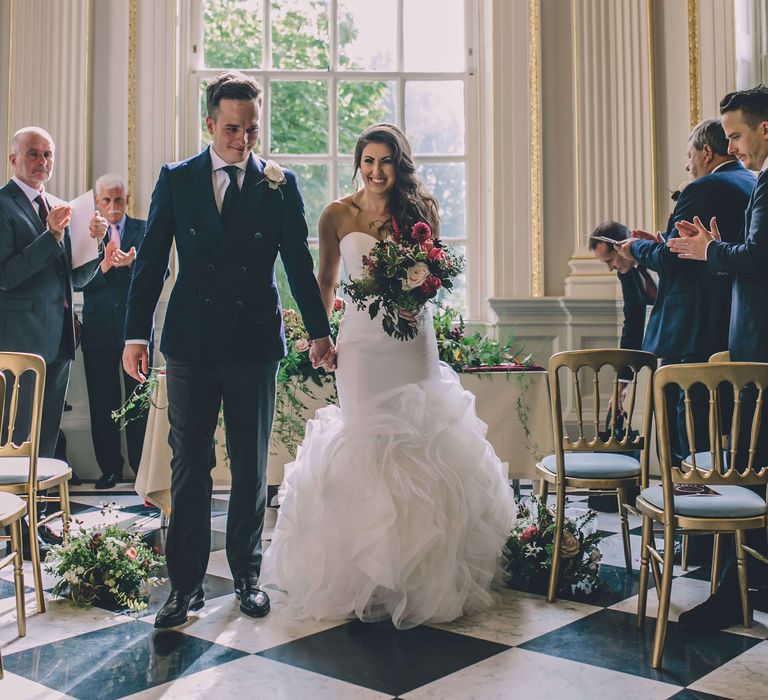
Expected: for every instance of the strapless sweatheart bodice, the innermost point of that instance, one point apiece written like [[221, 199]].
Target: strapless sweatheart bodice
[[396, 505]]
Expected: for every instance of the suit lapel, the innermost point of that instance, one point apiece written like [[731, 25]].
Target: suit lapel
[[26, 207], [127, 239], [201, 192]]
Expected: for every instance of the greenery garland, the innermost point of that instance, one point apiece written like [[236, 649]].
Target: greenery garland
[[298, 382]]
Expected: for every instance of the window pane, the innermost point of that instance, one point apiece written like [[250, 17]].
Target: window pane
[[367, 34], [299, 116], [434, 116], [283, 288], [361, 104], [457, 297], [447, 182], [346, 184], [314, 186], [300, 34], [433, 35], [233, 33], [205, 137]]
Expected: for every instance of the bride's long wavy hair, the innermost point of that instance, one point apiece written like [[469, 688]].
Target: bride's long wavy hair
[[409, 202]]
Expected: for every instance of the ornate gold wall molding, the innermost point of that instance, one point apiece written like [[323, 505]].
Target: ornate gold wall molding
[[534, 99], [132, 115], [694, 83], [652, 109], [10, 86], [576, 52]]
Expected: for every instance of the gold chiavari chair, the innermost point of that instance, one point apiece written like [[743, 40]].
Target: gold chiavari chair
[[12, 510], [734, 509], [22, 472], [593, 462]]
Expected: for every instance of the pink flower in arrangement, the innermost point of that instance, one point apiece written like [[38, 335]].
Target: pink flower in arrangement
[[427, 245], [528, 534], [430, 286], [131, 553], [421, 232], [436, 254], [338, 304]]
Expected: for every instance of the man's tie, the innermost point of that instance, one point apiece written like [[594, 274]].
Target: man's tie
[[650, 286], [229, 203], [42, 209], [114, 234]]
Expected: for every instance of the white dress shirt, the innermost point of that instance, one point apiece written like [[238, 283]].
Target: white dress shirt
[[31, 193]]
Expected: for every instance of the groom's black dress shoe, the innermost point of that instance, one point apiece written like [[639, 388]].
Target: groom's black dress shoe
[[175, 610], [720, 610], [106, 481], [253, 601]]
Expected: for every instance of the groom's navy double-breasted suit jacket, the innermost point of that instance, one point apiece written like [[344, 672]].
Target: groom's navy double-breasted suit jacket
[[224, 306]]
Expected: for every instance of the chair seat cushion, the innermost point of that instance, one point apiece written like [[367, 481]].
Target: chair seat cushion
[[9, 503], [704, 460], [733, 502], [15, 470], [595, 465]]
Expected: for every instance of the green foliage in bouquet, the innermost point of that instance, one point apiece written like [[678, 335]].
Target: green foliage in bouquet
[[140, 399], [297, 380], [106, 565], [528, 552], [461, 351]]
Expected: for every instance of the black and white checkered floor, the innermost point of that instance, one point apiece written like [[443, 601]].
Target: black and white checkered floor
[[522, 648]]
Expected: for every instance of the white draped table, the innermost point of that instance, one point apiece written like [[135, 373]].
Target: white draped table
[[514, 405]]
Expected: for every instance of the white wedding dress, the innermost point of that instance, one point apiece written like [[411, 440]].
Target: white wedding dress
[[396, 505]]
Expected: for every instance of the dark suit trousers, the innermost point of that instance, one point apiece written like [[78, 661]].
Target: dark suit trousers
[[195, 393], [675, 399], [103, 370]]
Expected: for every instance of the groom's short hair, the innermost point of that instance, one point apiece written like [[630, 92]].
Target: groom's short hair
[[230, 85], [753, 104]]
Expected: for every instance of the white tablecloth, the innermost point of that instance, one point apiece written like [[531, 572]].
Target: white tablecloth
[[514, 405]]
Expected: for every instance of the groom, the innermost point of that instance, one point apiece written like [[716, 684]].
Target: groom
[[223, 336]]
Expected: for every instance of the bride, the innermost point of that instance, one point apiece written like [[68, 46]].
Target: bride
[[396, 506]]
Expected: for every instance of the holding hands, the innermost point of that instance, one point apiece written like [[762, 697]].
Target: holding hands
[[694, 238], [322, 353]]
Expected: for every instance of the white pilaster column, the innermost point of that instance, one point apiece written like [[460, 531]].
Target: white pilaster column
[[717, 54], [614, 131], [155, 98], [49, 82]]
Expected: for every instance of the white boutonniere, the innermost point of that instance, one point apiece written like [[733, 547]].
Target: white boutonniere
[[274, 175]]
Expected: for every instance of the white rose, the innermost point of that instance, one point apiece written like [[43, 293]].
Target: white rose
[[416, 276], [301, 345], [274, 174]]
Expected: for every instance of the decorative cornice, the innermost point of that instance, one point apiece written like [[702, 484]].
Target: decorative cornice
[[132, 114], [534, 100], [694, 86]]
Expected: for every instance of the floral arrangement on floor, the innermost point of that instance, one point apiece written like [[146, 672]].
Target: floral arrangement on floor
[[528, 552], [107, 565], [404, 272]]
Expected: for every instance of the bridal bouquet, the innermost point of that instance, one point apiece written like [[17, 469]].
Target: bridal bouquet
[[528, 552], [404, 273]]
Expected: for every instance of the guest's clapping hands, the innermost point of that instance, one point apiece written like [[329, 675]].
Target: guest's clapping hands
[[58, 220], [114, 257], [98, 226], [638, 235], [694, 238], [624, 250], [322, 353]]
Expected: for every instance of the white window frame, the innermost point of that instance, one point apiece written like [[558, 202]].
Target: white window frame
[[192, 72]]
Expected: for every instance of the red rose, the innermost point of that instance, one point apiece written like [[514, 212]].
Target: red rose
[[338, 304], [430, 286], [421, 232], [131, 553], [528, 534], [436, 254], [427, 245]]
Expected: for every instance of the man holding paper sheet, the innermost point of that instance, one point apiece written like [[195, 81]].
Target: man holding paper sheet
[[37, 274]]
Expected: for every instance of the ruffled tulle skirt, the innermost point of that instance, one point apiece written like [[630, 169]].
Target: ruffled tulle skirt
[[397, 510]]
